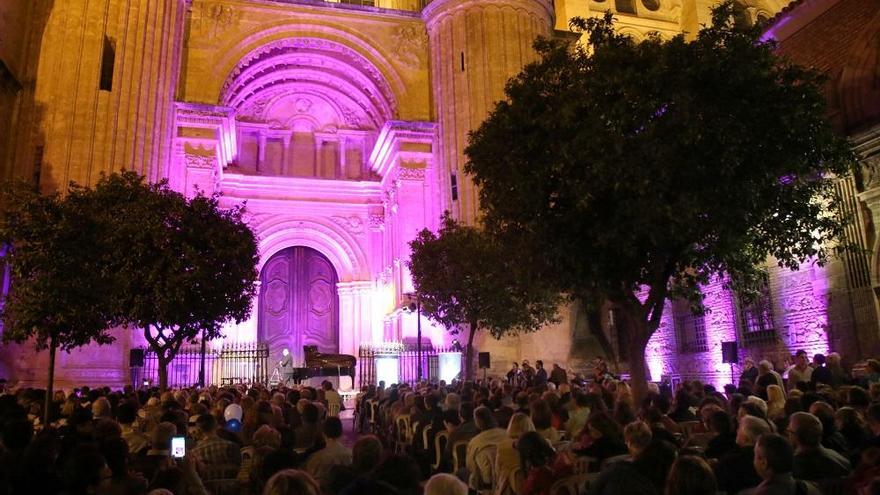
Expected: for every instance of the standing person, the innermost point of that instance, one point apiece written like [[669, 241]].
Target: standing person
[[801, 371], [821, 373], [774, 462], [514, 374], [528, 373], [558, 376], [839, 376], [766, 376], [749, 372], [286, 365], [540, 374]]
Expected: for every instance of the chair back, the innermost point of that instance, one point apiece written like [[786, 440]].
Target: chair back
[[440, 440], [570, 485], [333, 410], [223, 487], [687, 428], [485, 457], [426, 435], [459, 454], [580, 464]]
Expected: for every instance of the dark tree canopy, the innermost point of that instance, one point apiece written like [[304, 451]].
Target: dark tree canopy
[[61, 291], [466, 278], [655, 166], [186, 266]]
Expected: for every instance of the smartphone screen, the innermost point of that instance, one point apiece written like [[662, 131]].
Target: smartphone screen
[[178, 447]]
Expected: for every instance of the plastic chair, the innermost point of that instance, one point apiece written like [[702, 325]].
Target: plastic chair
[[404, 435], [439, 445], [581, 464], [459, 454], [570, 485], [687, 428]]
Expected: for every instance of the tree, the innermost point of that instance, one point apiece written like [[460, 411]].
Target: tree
[[60, 291], [184, 267], [643, 170], [464, 277]]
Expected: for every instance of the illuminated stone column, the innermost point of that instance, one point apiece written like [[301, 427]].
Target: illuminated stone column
[[476, 46], [107, 76]]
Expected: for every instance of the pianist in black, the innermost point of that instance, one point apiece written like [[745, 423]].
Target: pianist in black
[[286, 365]]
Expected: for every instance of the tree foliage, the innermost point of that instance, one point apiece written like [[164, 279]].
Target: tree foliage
[[60, 289], [641, 170], [466, 278], [185, 268]]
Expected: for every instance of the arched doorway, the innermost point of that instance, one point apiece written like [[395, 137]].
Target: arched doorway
[[299, 304]]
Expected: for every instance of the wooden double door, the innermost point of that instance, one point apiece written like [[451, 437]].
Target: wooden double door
[[299, 304]]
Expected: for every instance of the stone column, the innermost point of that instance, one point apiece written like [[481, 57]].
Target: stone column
[[476, 46]]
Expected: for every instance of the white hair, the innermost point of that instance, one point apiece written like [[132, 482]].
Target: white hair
[[753, 427], [445, 484], [765, 364], [761, 403]]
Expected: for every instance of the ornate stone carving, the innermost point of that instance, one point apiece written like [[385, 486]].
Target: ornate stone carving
[[871, 171], [302, 105], [376, 222], [409, 45], [352, 223], [213, 19], [200, 161], [408, 173]]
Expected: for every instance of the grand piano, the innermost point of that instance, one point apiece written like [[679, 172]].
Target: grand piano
[[321, 364]]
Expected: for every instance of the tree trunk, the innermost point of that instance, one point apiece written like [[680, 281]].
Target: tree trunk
[[162, 369], [47, 403], [638, 371], [469, 353]]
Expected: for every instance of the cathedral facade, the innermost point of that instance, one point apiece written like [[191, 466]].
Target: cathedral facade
[[342, 126]]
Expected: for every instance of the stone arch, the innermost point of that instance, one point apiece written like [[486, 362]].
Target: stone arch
[[857, 88], [358, 46], [340, 248]]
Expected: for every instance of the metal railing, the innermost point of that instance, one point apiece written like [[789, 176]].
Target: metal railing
[[232, 363], [407, 361]]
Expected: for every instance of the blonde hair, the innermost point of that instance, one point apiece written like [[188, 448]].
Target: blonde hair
[[519, 425], [775, 401]]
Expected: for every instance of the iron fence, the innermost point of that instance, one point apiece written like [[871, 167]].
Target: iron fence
[[231, 363], [407, 361]]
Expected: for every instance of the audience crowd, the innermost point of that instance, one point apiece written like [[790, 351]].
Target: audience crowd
[[810, 429]]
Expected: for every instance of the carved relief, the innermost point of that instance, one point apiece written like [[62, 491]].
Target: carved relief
[[211, 20], [352, 224], [409, 45], [199, 161], [871, 172], [407, 173], [376, 221]]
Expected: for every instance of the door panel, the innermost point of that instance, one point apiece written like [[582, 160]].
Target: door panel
[[298, 304]]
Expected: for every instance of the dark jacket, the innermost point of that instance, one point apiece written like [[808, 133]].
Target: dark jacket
[[736, 471], [820, 464], [785, 484]]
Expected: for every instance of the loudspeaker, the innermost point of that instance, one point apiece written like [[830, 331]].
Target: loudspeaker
[[484, 360], [728, 352], [135, 358]]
